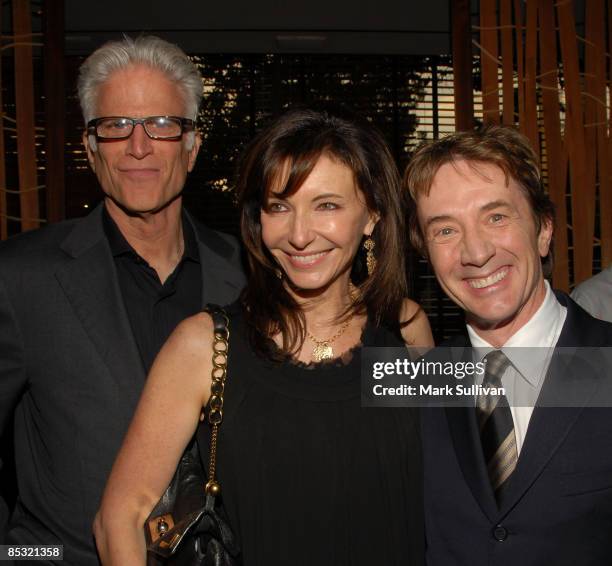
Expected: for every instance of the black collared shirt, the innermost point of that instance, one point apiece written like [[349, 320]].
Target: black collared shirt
[[154, 309]]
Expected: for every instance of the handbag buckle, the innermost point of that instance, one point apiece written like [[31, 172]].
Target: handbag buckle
[[160, 525]]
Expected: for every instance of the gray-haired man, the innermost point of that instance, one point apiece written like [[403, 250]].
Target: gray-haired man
[[85, 305]]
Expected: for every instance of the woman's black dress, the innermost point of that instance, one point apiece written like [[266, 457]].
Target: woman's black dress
[[308, 476]]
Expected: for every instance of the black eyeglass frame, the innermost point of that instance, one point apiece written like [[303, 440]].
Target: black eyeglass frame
[[187, 125]]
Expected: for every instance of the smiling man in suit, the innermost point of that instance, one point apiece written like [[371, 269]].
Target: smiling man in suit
[[85, 305], [508, 485]]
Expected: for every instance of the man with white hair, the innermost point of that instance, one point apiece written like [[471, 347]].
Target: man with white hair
[[85, 305]]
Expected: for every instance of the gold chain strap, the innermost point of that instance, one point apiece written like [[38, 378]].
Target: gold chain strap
[[215, 403]]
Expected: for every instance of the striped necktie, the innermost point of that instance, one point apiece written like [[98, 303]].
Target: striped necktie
[[496, 426]]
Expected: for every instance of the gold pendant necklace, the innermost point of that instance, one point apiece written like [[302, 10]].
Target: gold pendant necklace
[[323, 350]]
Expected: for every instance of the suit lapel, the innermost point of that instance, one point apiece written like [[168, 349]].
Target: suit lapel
[[219, 284], [568, 381], [464, 433], [90, 284], [468, 449]]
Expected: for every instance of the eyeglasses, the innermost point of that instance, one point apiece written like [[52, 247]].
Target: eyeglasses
[[156, 127]]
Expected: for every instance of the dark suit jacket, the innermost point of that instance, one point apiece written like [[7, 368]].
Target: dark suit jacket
[[558, 510], [71, 373]]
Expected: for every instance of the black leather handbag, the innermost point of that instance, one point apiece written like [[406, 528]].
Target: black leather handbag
[[187, 527]]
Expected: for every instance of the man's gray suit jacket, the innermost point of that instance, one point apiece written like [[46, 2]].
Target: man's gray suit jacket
[[71, 373]]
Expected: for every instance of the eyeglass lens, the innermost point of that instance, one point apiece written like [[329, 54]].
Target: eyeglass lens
[[155, 127]]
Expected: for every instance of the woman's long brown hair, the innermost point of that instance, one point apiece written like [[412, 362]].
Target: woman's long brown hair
[[288, 150]]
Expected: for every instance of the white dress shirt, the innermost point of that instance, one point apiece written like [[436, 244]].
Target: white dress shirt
[[530, 350]]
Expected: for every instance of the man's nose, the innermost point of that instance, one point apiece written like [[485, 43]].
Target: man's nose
[[477, 247], [301, 233], [139, 143]]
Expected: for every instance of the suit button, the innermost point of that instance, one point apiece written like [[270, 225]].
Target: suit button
[[500, 533]]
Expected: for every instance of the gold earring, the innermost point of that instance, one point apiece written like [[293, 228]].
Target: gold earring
[[369, 245]]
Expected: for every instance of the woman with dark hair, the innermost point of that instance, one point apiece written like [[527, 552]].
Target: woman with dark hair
[[309, 477]]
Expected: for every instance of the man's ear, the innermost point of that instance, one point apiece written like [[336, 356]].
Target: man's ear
[[545, 236], [91, 147], [193, 152]]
